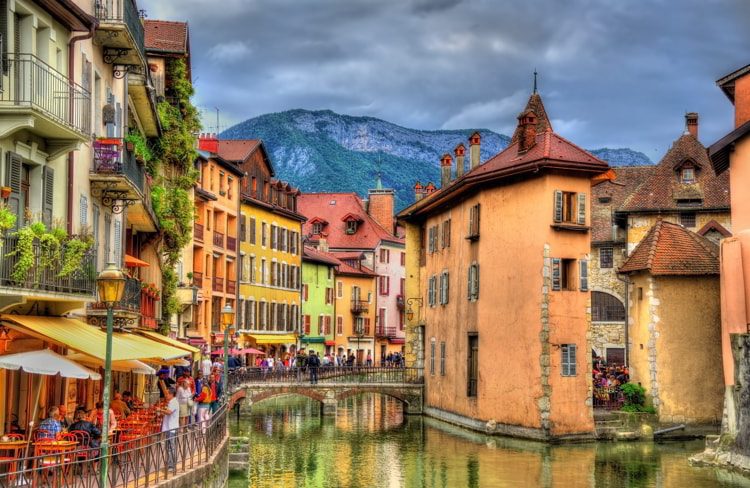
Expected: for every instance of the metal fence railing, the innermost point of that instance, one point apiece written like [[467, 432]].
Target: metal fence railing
[[134, 463], [608, 398], [30, 82], [112, 157], [328, 374], [125, 11]]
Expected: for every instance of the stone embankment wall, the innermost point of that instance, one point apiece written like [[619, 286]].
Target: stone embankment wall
[[213, 474]]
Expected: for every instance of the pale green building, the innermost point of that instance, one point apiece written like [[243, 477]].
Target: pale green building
[[318, 301]]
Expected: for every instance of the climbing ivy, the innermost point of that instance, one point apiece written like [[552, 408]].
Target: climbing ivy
[[174, 177]]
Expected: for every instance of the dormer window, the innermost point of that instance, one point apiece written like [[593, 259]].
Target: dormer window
[[687, 175], [317, 228], [351, 226]]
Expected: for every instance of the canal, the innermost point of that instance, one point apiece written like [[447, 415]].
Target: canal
[[370, 443]]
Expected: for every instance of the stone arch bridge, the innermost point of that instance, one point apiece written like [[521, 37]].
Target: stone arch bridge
[[252, 385]]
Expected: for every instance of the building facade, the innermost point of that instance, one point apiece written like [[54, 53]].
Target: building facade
[[318, 301], [505, 247], [355, 310]]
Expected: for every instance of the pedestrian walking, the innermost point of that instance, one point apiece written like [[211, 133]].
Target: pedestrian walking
[[170, 422], [313, 363]]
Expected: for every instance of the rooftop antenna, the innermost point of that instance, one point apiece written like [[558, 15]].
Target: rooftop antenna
[[535, 73], [378, 182], [217, 120]]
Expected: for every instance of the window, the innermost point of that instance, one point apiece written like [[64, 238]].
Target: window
[[351, 226], [84, 204], [304, 292], [252, 269], [329, 295], [328, 325], [367, 325], [606, 258], [320, 325], [403, 258], [230, 184], [381, 319], [445, 236], [444, 288], [243, 228], [263, 272], [385, 256], [385, 285], [307, 325], [317, 228], [473, 285], [339, 289], [570, 207], [264, 234], [473, 223], [442, 358], [563, 274], [583, 275], [606, 308], [687, 219], [473, 366], [432, 291], [274, 237], [339, 325], [568, 359], [432, 239], [432, 358], [687, 175]]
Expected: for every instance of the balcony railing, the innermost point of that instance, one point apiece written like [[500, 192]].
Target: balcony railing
[[131, 298], [400, 302], [198, 279], [231, 243], [30, 82], [198, 232], [112, 158], [360, 306], [231, 287], [44, 273], [123, 12], [381, 331], [218, 239], [218, 284]]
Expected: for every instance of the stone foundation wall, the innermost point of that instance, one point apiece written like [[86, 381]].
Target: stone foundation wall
[[213, 474]]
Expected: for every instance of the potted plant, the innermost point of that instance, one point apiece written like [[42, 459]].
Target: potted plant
[[5, 192]]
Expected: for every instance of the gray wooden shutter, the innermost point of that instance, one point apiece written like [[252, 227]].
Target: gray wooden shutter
[[84, 211], [583, 267], [252, 230], [243, 237], [582, 208], [556, 274], [558, 214], [48, 199], [469, 281], [476, 281], [477, 217], [447, 287], [118, 242], [13, 169]]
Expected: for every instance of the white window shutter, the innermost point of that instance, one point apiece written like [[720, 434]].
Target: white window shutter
[[556, 285], [582, 208], [583, 267], [558, 214], [118, 242]]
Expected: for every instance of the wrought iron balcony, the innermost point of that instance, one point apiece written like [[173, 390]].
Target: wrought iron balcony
[[231, 243], [218, 239], [400, 302], [44, 275], [120, 32], [385, 332], [198, 232], [136, 309], [231, 287], [116, 176], [62, 108], [360, 306]]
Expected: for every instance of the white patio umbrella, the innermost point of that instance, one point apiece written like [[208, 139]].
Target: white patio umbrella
[[124, 366], [48, 363]]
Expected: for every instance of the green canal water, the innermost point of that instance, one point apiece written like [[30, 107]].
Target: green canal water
[[371, 443]]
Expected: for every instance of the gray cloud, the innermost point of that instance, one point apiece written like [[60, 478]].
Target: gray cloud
[[611, 73]]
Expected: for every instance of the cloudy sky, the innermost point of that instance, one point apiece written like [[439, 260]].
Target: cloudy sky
[[613, 73]]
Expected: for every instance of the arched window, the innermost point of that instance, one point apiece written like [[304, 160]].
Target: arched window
[[606, 308]]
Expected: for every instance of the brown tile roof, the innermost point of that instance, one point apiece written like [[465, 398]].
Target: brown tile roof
[[166, 36], [313, 255], [542, 124], [345, 269], [332, 208], [664, 188], [670, 249], [626, 180], [237, 150], [549, 152]]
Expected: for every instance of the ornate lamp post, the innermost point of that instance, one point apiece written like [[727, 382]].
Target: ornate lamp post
[[360, 333], [227, 320], [409, 311], [111, 285]]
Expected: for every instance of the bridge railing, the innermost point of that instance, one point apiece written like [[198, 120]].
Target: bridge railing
[[327, 375]]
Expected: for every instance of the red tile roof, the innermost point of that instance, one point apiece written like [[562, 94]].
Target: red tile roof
[[237, 150], [332, 207], [663, 189], [626, 180], [670, 249], [312, 254], [364, 271], [167, 36], [548, 152]]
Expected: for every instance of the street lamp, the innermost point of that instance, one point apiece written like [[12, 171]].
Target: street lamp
[[111, 285], [360, 332], [409, 311], [227, 319]]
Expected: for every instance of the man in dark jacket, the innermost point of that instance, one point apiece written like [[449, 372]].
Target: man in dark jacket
[[84, 425], [313, 363]]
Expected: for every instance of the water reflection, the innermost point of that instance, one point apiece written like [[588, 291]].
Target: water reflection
[[370, 443]]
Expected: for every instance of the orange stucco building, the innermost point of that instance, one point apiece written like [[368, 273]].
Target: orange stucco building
[[503, 282]]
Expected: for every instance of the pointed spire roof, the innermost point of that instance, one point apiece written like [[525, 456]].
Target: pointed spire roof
[[536, 106]]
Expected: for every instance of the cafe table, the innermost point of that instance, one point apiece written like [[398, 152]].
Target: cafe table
[[50, 455], [11, 454]]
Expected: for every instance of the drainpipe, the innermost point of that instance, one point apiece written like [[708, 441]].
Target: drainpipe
[[627, 318], [71, 154]]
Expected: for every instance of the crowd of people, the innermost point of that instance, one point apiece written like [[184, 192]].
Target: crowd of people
[[607, 382]]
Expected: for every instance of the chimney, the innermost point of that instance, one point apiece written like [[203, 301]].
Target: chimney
[[691, 123], [475, 141], [459, 152], [209, 143], [430, 188], [445, 170], [418, 191], [527, 122], [741, 99], [380, 207]]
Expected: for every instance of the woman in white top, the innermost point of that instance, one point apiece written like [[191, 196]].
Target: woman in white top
[[184, 395]]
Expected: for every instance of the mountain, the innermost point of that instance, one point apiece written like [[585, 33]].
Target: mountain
[[325, 151]]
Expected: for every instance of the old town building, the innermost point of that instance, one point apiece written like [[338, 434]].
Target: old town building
[[503, 285], [348, 227], [355, 306], [675, 314], [318, 302], [270, 259]]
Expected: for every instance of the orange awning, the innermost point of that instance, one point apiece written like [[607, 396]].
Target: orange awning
[[134, 262]]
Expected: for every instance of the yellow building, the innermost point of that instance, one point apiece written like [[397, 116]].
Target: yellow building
[[355, 310], [270, 260]]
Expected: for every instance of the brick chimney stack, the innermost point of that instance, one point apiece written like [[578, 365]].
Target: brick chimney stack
[[446, 162], [741, 99], [380, 205], [475, 141], [459, 152], [527, 122], [418, 191], [430, 189], [691, 123], [208, 142]]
